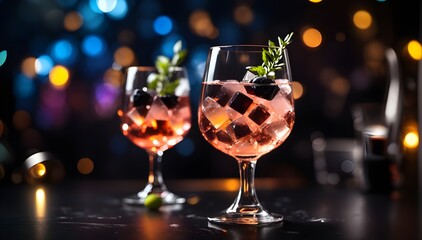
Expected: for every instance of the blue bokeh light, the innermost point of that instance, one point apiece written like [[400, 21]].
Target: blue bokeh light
[[23, 87], [94, 6], [168, 43], [93, 46], [106, 5], [120, 11], [43, 65], [63, 51], [92, 19], [163, 25], [185, 147]]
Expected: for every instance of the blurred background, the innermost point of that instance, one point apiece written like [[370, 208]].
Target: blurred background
[[61, 65]]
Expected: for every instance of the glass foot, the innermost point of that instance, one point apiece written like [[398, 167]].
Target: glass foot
[[236, 218], [168, 199]]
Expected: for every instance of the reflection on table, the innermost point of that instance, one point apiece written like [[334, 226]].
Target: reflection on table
[[94, 210]]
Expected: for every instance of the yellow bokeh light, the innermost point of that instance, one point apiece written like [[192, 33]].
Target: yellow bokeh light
[[362, 19], [59, 77], [28, 67], [315, 1], [85, 166], [72, 21], [415, 49], [297, 90], [312, 38], [124, 56], [411, 140], [38, 170]]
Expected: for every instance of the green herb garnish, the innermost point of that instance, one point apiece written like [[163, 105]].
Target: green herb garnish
[[271, 58], [162, 81]]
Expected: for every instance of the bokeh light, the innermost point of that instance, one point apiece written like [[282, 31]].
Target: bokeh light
[[124, 56], [315, 1], [85, 166], [411, 140], [297, 89], [415, 49], [362, 19], [23, 87], [43, 65], [72, 21], [243, 14], [312, 38], [38, 170], [63, 51], [59, 77], [93, 19], [120, 11], [106, 6], [163, 25], [201, 24], [93, 46], [28, 67]]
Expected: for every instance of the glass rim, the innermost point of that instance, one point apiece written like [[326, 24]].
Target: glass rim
[[245, 46]]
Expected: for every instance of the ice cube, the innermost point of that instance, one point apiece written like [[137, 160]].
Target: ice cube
[[284, 86], [212, 90], [134, 115], [240, 102], [229, 89], [281, 105], [248, 76], [216, 114], [259, 114], [262, 138], [224, 137], [158, 111], [246, 146], [278, 130], [238, 128], [209, 134]]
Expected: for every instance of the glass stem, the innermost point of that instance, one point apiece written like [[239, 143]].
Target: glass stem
[[247, 200], [155, 177]]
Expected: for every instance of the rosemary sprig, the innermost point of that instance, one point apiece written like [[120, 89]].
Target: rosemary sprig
[[271, 58], [161, 81]]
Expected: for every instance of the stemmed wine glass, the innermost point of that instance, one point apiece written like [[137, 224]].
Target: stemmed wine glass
[[155, 121], [246, 116]]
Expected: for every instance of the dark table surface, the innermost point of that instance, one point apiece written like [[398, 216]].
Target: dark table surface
[[94, 210]]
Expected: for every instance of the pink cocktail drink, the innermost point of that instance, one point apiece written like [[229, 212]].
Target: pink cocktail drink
[[243, 124]]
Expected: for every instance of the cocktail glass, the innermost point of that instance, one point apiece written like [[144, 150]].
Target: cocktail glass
[[155, 123], [245, 118]]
